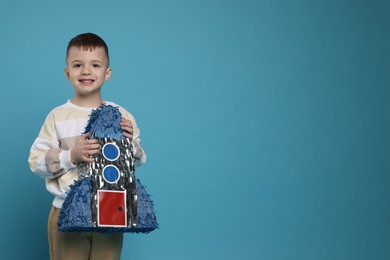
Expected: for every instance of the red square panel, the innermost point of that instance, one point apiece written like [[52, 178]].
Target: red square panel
[[112, 208]]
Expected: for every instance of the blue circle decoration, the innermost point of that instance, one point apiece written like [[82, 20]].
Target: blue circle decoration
[[110, 173], [111, 151]]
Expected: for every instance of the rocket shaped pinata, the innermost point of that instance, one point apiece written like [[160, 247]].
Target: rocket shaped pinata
[[108, 198]]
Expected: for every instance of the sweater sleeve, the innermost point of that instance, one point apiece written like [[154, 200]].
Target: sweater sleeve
[[138, 151], [47, 159]]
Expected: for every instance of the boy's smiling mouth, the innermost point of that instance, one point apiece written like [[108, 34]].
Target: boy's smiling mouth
[[86, 81]]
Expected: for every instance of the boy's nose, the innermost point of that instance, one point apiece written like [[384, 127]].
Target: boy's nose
[[85, 71]]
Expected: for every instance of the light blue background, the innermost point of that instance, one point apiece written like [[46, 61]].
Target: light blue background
[[266, 123]]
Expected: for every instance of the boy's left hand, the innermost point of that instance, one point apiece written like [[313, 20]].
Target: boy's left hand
[[127, 128]]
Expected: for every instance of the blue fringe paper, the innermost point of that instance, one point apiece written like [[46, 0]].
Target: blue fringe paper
[[76, 209], [75, 216], [105, 121]]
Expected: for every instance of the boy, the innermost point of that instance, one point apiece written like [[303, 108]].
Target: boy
[[59, 147]]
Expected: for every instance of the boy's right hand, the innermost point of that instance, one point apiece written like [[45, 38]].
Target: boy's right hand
[[84, 150]]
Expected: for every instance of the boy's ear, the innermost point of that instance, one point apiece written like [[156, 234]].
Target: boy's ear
[[66, 73], [108, 74]]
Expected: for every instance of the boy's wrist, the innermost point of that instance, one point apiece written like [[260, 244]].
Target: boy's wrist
[[66, 161]]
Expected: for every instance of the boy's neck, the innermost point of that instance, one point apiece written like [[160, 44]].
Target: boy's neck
[[90, 103]]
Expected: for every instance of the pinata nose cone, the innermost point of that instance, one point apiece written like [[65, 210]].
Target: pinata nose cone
[[105, 122]]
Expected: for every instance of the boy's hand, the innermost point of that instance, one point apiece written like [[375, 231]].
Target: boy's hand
[[84, 150], [127, 128]]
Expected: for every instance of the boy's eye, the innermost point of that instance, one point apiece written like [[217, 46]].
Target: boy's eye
[[76, 65], [96, 65]]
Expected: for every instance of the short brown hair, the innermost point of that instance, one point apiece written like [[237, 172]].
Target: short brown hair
[[88, 41]]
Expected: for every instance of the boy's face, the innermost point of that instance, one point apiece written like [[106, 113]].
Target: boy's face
[[87, 70]]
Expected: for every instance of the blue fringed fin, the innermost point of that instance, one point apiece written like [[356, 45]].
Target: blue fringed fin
[[76, 209]]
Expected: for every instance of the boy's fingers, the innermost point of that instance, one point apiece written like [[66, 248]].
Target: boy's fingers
[[126, 122], [128, 128], [128, 135], [85, 136], [92, 152], [87, 158], [94, 147], [92, 142]]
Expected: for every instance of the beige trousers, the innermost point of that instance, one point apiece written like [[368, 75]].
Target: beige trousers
[[83, 245]]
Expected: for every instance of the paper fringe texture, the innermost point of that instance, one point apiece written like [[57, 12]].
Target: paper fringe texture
[[105, 121]]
